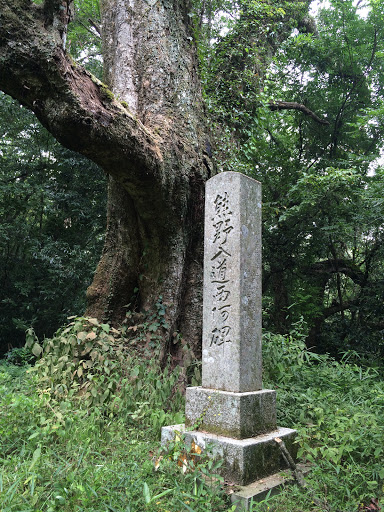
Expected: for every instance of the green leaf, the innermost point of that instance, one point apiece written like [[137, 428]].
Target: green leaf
[[135, 371], [160, 495], [35, 458], [37, 350], [105, 327], [146, 492], [186, 506]]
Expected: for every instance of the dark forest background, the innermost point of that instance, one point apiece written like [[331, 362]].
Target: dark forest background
[[298, 105]]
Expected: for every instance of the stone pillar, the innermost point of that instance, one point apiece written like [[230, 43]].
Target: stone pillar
[[231, 411], [232, 284]]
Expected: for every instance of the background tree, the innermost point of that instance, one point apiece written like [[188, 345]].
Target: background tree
[[322, 241], [149, 135], [52, 204]]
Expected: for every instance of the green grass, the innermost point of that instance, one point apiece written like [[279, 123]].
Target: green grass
[[59, 453], [58, 456], [338, 410]]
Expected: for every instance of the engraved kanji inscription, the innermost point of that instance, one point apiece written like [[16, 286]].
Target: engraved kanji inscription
[[220, 262]]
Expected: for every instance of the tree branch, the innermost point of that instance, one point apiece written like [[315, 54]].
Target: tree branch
[[95, 25], [72, 104], [293, 105], [290, 462], [340, 265], [338, 308], [90, 30]]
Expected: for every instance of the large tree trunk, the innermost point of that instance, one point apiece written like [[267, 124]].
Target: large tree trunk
[[149, 138]]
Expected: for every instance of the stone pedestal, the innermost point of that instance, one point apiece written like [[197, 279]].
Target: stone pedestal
[[237, 415], [244, 460], [231, 412]]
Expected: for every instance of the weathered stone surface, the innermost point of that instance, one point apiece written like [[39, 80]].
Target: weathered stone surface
[[259, 490], [230, 416], [244, 460], [232, 284], [172, 433], [237, 415]]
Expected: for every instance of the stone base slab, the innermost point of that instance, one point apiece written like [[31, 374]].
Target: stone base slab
[[259, 490], [244, 460], [237, 415]]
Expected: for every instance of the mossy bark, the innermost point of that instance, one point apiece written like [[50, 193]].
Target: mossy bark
[[154, 151]]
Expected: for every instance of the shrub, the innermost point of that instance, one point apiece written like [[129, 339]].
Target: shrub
[[337, 408], [94, 363], [19, 356]]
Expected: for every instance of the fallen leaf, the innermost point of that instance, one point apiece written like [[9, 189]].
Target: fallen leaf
[[182, 462], [157, 462]]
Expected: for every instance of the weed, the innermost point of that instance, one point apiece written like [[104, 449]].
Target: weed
[[59, 455], [338, 410], [64, 447], [20, 356]]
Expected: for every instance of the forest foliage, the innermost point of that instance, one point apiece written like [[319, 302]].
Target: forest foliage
[[294, 101], [52, 209], [298, 104], [63, 454]]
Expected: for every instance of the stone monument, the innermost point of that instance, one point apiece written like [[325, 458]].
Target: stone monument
[[231, 411]]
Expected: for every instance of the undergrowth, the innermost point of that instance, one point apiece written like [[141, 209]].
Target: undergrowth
[[62, 457], [337, 408], [90, 362], [79, 431]]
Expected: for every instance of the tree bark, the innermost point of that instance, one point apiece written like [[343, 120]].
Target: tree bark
[[148, 135]]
